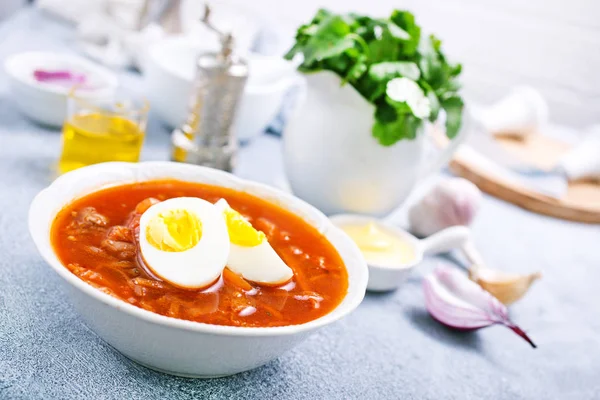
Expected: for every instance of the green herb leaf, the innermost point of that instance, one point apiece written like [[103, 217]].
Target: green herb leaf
[[358, 69], [330, 40], [386, 71], [406, 21], [321, 15], [400, 106], [448, 89], [432, 67], [308, 30], [384, 48], [397, 32], [385, 113], [328, 49], [404, 127], [455, 70], [435, 106], [369, 88], [454, 108]]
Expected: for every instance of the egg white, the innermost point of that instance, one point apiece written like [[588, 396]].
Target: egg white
[[260, 263], [198, 266]]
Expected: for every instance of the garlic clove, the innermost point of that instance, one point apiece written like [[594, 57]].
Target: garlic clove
[[505, 286]]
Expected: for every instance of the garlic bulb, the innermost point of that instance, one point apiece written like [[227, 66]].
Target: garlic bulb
[[506, 287], [452, 201]]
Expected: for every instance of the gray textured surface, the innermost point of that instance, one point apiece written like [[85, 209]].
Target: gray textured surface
[[389, 348]]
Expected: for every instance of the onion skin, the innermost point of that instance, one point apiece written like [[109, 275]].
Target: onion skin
[[454, 300]]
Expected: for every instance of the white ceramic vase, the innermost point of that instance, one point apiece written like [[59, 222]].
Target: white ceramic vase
[[333, 161]]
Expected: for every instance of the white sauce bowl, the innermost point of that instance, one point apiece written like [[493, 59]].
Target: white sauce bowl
[[383, 278], [172, 345]]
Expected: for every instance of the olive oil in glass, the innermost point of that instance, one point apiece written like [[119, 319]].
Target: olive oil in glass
[[94, 134]]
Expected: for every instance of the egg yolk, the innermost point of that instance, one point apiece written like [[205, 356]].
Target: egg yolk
[[241, 232], [174, 230]]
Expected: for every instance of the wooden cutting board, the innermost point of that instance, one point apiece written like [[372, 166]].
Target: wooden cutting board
[[581, 202]]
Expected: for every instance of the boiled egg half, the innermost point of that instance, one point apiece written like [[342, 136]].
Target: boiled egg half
[[184, 241], [251, 255]]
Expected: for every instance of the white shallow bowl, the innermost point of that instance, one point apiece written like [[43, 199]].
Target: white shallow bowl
[[171, 345], [46, 103], [169, 75]]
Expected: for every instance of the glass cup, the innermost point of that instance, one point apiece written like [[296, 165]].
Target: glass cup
[[99, 130]]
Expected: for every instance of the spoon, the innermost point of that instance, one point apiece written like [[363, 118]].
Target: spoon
[[385, 277]]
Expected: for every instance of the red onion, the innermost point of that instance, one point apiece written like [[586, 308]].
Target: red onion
[[59, 76], [454, 300]]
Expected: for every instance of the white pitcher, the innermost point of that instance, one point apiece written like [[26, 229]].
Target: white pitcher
[[333, 162]]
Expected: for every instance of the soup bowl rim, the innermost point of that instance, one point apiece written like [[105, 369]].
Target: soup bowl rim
[[41, 218]]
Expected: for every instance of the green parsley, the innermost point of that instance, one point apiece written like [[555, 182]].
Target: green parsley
[[368, 53]]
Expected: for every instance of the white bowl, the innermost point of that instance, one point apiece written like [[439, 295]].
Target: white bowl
[[44, 103], [169, 74], [172, 345]]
